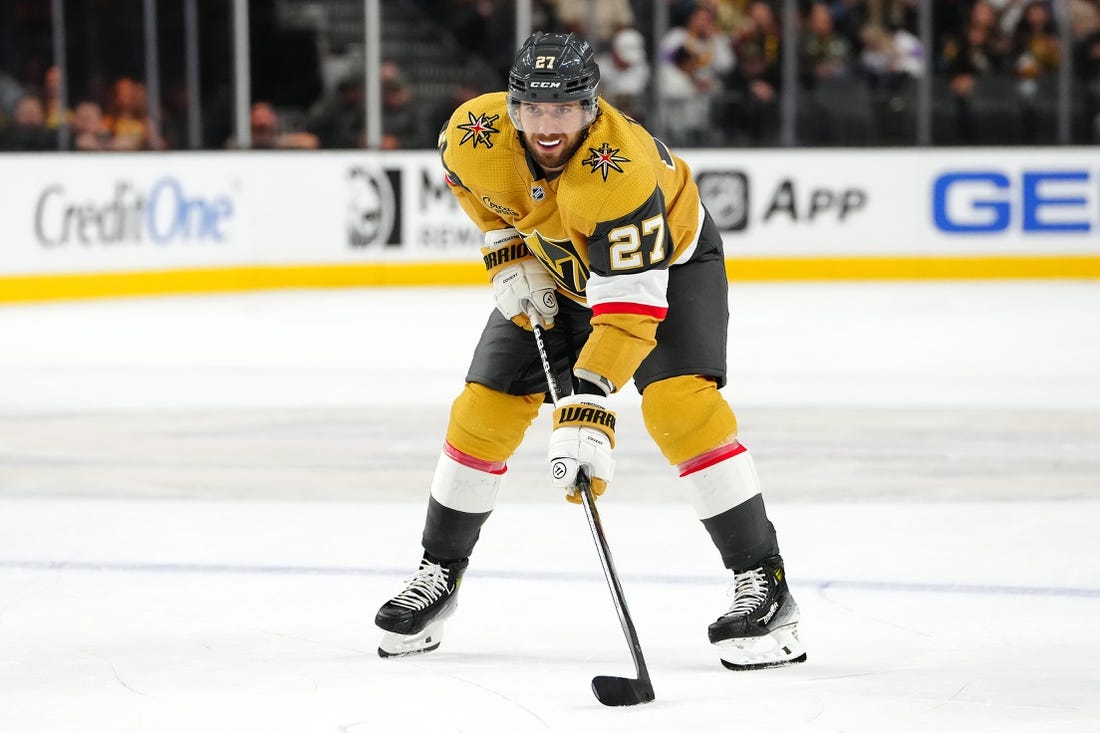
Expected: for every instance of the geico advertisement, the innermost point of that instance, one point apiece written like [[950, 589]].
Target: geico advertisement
[[874, 202]]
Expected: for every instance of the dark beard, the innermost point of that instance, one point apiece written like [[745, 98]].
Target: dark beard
[[558, 159]]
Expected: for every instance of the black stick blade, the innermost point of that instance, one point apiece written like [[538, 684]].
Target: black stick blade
[[617, 691]]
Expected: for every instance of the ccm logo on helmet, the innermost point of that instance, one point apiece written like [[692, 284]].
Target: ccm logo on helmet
[[544, 84]]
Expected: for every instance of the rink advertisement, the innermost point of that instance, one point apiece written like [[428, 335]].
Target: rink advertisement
[[78, 225]]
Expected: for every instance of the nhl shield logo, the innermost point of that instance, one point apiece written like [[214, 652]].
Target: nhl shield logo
[[538, 193]]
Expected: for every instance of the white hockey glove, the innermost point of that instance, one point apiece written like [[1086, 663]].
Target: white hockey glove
[[584, 435], [520, 284]]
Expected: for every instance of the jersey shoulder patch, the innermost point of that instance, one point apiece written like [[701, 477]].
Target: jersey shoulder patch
[[614, 171], [478, 137]]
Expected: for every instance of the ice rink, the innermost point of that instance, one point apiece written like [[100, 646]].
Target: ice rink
[[204, 499]]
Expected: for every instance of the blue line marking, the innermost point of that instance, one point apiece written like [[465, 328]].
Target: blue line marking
[[563, 576]]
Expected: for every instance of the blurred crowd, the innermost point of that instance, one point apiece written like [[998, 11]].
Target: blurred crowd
[[719, 68], [31, 119], [715, 77]]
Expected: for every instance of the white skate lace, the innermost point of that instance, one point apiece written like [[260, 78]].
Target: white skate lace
[[424, 588], [749, 591]]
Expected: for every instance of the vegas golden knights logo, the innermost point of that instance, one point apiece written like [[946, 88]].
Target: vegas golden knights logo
[[562, 261]]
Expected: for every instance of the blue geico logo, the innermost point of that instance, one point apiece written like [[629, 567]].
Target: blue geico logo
[[164, 214], [1035, 202]]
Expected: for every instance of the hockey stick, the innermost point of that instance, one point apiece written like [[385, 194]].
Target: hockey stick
[[608, 690]]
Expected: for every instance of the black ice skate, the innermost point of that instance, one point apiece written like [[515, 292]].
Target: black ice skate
[[761, 628], [413, 619]]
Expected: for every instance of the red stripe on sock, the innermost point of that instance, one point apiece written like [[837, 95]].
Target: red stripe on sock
[[494, 467], [711, 457]]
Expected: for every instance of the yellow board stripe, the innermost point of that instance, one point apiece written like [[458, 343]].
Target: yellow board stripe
[[914, 268], [27, 288]]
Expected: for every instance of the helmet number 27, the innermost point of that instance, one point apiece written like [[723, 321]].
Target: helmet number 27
[[545, 62]]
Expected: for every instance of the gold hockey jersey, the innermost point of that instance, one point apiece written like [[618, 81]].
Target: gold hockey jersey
[[607, 228]]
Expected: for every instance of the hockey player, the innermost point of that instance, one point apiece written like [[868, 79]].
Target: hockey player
[[596, 230]]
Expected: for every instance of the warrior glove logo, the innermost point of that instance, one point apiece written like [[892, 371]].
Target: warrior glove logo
[[509, 253], [586, 416]]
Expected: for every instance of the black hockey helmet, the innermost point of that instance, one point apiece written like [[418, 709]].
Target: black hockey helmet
[[554, 67]]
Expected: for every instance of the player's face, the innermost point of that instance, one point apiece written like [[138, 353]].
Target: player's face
[[553, 131]]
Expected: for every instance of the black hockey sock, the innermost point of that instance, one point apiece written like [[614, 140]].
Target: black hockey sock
[[450, 534], [743, 535]]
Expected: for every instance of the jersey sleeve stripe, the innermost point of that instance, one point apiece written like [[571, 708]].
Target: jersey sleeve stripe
[[647, 288], [635, 309]]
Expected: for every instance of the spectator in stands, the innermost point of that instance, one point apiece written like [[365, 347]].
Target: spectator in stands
[[266, 129], [1009, 14], [609, 17], [890, 62], [848, 16], [979, 50], [712, 51], [890, 58], [55, 116], [825, 53], [731, 15], [709, 60], [625, 73], [894, 14], [402, 122], [1036, 55], [1036, 47], [338, 122], [976, 49], [757, 79], [127, 117], [10, 93], [27, 128], [685, 111], [1085, 17], [88, 131]]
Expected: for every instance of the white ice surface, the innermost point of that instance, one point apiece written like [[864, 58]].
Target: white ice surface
[[1018, 344], [121, 613]]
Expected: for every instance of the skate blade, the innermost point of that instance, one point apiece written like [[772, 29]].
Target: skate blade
[[404, 645], [777, 649]]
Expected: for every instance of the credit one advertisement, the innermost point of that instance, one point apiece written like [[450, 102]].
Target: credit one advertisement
[[86, 213], [79, 213]]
